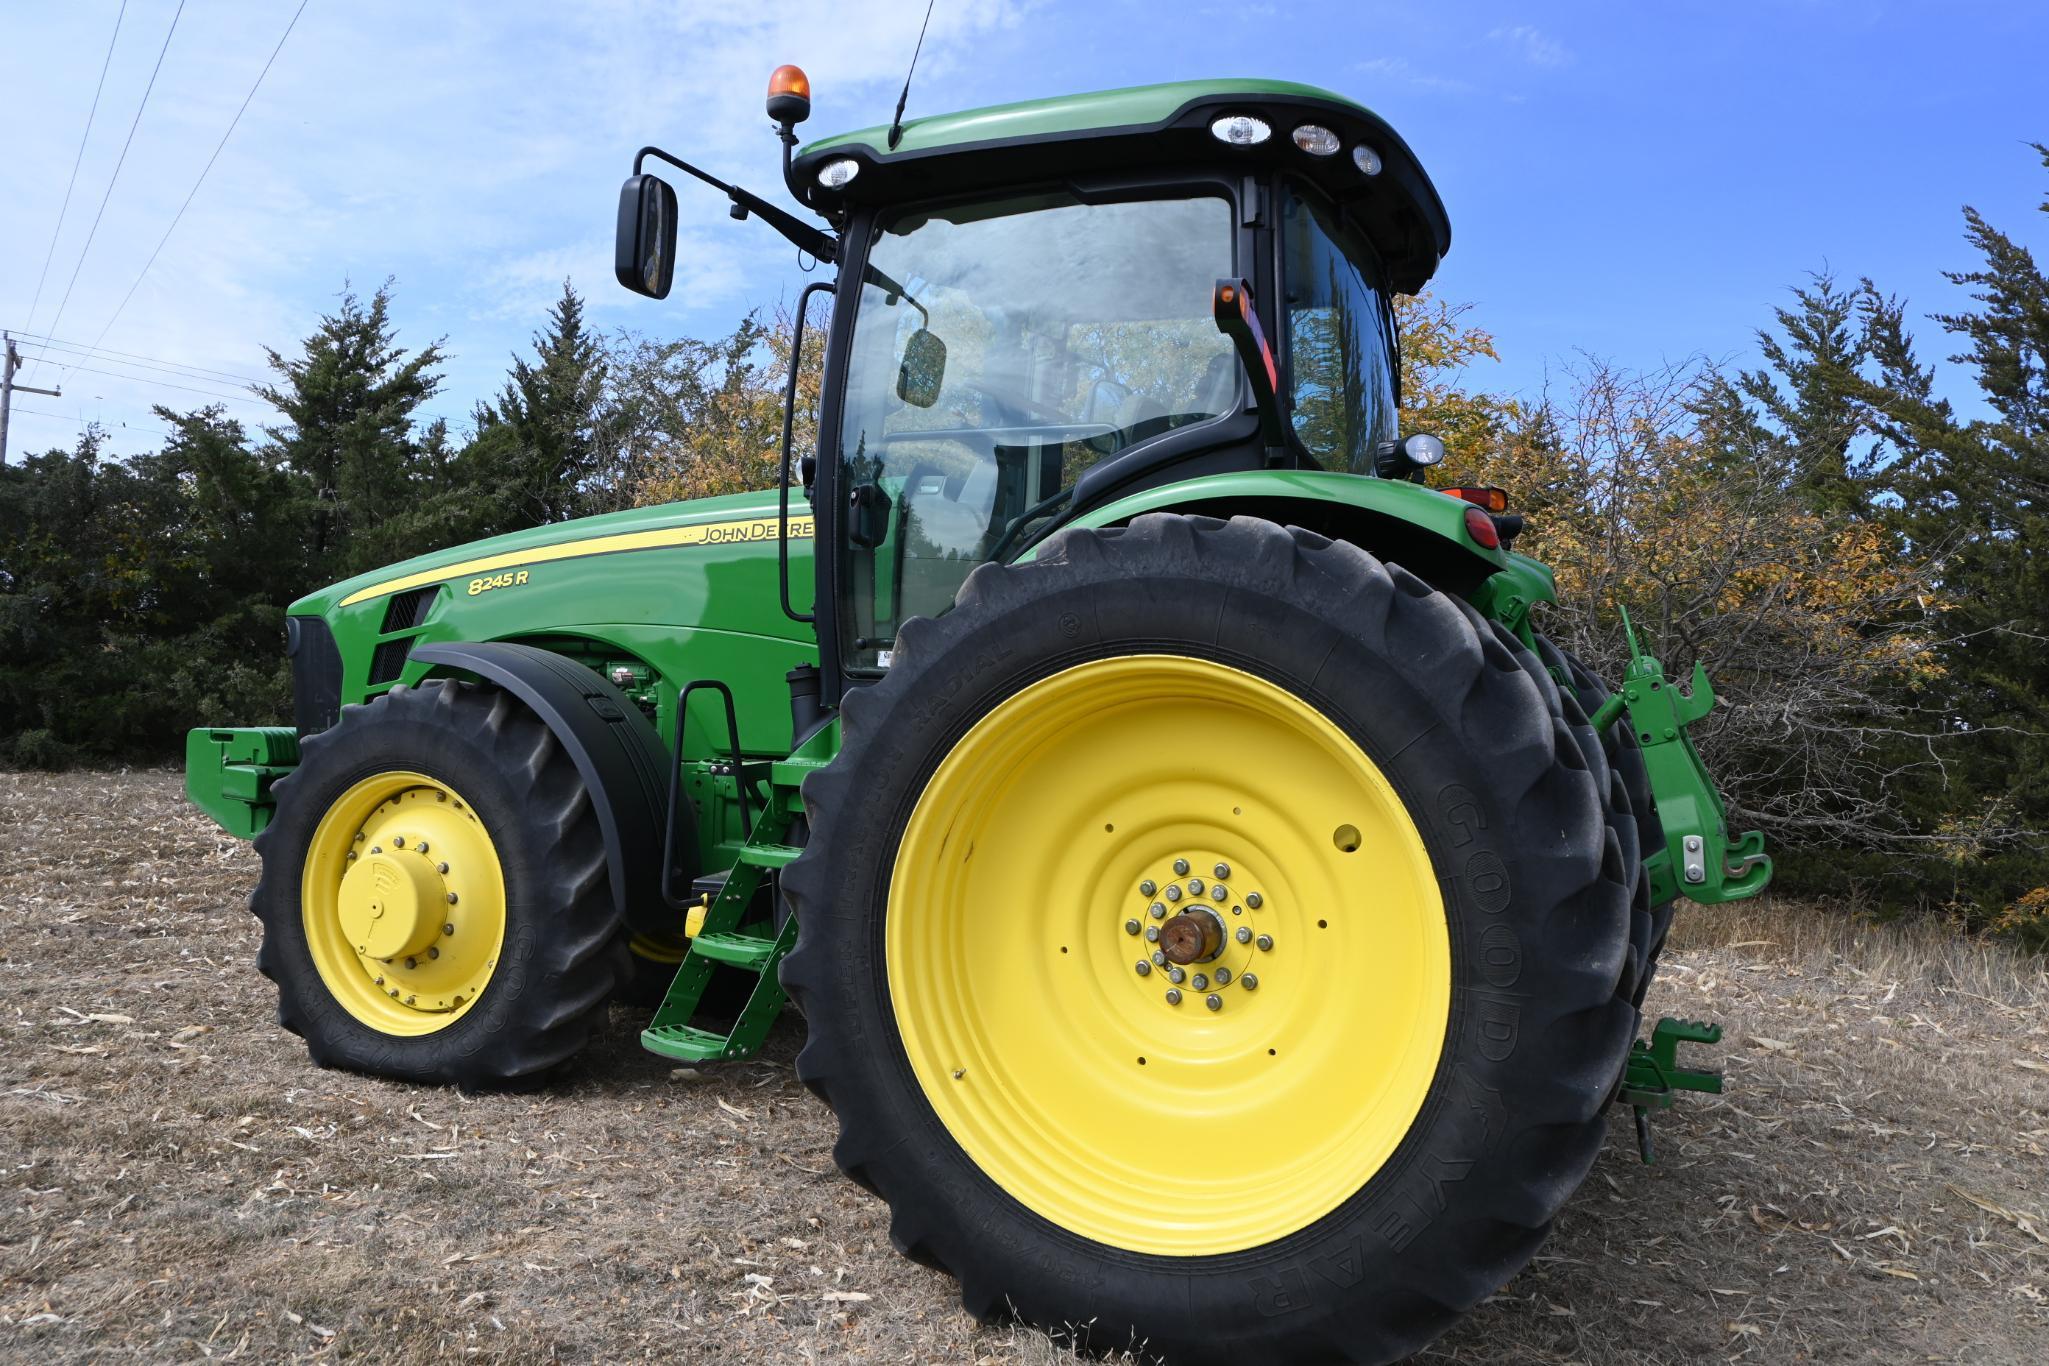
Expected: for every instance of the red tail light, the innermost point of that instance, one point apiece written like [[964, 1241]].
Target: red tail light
[[1482, 529]]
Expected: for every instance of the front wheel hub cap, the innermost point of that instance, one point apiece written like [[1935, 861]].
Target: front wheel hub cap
[[391, 904]]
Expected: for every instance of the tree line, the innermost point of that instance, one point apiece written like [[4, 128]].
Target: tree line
[[1857, 558]]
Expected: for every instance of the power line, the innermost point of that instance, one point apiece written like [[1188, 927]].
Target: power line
[[166, 384], [202, 172], [118, 163], [72, 183], [83, 421], [189, 371]]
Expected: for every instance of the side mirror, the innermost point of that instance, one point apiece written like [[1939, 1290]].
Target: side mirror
[[644, 252], [923, 368]]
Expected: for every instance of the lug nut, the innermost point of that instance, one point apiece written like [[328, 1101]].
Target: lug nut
[[1180, 867], [1195, 886], [352, 856], [1223, 976], [1173, 996], [1148, 887], [1152, 934], [412, 962], [1250, 981], [1266, 942], [433, 952], [399, 843], [1244, 934], [1176, 976], [1173, 889], [1156, 910], [1159, 960], [451, 898], [1131, 927], [1222, 870], [448, 928], [441, 868], [1201, 983], [376, 849], [1213, 1001], [1219, 891], [1145, 969], [1254, 900]]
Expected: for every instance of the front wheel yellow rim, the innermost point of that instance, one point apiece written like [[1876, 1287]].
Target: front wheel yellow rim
[[403, 903], [1167, 956]]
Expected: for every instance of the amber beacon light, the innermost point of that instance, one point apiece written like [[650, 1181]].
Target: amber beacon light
[[789, 95]]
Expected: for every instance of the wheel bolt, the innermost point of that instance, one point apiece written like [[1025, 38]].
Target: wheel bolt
[[1201, 983], [433, 952], [1250, 981], [1222, 870], [1152, 934], [412, 1000], [1266, 942], [1173, 889], [1148, 887], [1223, 977], [441, 868], [1159, 960], [376, 849], [352, 856], [1195, 886], [1181, 867], [380, 981], [448, 928], [1173, 996], [1219, 891], [412, 962], [1254, 900], [1176, 976], [1244, 934], [399, 843], [1213, 1001], [1156, 910], [421, 846], [1131, 927], [451, 898], [1145, 969]]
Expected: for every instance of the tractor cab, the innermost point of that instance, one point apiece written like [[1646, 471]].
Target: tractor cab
[[1040, 308]]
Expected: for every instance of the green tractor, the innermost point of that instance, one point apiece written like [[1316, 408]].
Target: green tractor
[[1219, 916]]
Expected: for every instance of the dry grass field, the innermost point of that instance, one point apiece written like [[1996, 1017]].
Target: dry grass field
[[181, 1184]]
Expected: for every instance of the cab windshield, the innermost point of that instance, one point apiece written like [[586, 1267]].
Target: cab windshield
[[1001, 349]]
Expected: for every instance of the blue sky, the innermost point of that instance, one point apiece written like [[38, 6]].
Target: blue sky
[[1639, 181]]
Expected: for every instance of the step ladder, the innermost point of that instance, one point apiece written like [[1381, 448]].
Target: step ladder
[[721, 943]]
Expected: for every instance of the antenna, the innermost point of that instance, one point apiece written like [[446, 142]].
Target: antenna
[[896, 125]]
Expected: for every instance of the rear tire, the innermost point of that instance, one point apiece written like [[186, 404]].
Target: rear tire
[[1531, 900], [522, 882]]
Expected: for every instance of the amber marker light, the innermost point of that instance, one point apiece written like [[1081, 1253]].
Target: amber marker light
[[789, 95]]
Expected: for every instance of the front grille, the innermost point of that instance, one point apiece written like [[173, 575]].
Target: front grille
[[316, 674]]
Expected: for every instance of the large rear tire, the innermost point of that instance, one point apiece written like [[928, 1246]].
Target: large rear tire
[[435, 900], [1333, 1164]]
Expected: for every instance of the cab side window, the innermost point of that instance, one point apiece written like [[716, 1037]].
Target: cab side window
[[1340, 360]]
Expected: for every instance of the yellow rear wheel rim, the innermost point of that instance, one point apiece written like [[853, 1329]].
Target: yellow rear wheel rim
[[403, 902], [1237, 1116]]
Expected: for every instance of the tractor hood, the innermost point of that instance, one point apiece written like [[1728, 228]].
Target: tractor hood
[[1145, 130], [734, 519]]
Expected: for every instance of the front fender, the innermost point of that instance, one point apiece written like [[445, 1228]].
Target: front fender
[[614, 747]]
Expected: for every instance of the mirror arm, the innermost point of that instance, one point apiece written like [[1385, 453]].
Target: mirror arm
[[821, 245], [1237, 319]]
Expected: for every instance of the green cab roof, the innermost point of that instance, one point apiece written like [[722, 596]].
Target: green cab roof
[[1141, 130], [1131, 107]]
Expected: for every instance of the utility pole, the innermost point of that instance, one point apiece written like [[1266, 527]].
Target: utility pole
[[8, 365]]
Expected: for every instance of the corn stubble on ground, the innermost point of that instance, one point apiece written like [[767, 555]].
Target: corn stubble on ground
[[180, 1183]]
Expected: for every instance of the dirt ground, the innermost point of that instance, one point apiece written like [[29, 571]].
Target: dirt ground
[[180, 1183]]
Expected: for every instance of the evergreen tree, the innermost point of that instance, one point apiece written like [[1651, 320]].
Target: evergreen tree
[[543, 446], [349, 403]]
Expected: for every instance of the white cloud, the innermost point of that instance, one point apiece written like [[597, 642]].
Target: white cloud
[[1534, 45], [1396, 71]]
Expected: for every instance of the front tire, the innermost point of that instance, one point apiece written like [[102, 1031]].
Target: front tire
[[435, 899], [1335, 1164]]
